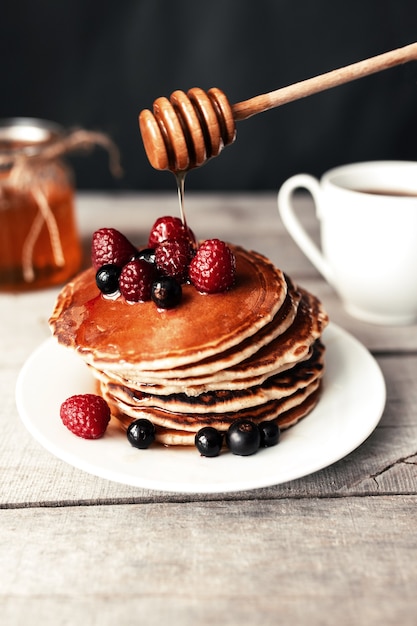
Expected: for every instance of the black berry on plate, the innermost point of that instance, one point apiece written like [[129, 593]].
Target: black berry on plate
[[270, 434], [243, 437], [141, 433], [107, 279], [209, 441], [166, 292]]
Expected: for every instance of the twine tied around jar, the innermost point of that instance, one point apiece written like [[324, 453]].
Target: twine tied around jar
[[24, 167]]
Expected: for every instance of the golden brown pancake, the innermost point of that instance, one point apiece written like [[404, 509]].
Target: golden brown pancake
[[254, 351], [105, 331], [275, 387], [172, 429], [218, 362], [278, 354], [285, 419]]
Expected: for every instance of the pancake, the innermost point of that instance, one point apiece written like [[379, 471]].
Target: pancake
[[180, 429], [220, 401], [254, 351], [286, 419], [191, 386], [105, 331], [215, 366], [289, 348], [281, 321]]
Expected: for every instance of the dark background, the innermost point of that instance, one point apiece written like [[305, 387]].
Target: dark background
[[97, 64]]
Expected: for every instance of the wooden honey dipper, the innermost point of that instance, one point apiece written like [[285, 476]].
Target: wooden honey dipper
[[186, 130]]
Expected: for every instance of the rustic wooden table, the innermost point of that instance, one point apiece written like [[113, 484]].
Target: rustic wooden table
[[335, 547]]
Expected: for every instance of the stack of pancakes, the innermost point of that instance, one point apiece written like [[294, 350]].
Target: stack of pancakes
[[254, 351]]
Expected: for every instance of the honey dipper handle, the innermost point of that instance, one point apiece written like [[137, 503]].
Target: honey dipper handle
[[264, 102]]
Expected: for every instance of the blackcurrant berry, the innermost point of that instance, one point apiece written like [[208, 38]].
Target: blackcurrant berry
[[166, 292], [147, 254], [107, 279], [270, 433], [243, 437], [141, 433], [208, 441]]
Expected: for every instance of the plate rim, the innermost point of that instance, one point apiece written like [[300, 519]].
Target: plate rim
[[332, 332]]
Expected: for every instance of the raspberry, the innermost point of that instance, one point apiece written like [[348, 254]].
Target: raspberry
[[173, 258], [168, 227], [109, 246], [86, 415], [213, 268], [135, 281]]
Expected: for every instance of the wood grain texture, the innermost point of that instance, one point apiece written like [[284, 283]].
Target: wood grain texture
[[316, 84], [322, 561], [338, 546], [385, 463]]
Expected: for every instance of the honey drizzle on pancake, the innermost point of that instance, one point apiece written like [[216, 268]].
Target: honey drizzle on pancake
[[284, 393]]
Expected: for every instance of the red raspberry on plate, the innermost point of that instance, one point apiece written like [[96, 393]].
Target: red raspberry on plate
[[135, 280], [173, 258], [86, 415], [213, 268], [109, 246], [169, 227]]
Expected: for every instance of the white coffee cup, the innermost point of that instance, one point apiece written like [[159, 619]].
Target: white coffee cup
[[368, 228]]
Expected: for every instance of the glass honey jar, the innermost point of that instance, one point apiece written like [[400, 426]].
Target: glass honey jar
[[39, 242]]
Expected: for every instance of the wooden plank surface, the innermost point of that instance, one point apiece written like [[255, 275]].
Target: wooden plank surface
[[385, 463], [336, 547], [32, 476], [323, 561]]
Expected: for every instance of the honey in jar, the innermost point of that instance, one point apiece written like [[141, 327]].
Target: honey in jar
[[39, 242]]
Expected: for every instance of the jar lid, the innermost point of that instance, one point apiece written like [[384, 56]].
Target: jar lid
[[27, 135]]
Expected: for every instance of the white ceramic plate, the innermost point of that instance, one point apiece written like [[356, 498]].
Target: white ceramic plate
[[351, 406]]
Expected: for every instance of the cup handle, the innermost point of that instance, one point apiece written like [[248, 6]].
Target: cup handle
[[293, 225]]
